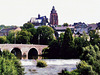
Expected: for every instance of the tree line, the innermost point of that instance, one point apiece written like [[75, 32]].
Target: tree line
[[67, 46], [86, 47], [29, 35]]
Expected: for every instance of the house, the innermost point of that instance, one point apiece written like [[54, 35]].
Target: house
[[80, 27], [58, 30], [5, 31], [92, 27]]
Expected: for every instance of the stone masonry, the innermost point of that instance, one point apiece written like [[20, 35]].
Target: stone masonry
[[24, 48]]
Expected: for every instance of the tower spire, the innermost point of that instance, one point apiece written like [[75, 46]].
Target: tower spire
[[53, 8]]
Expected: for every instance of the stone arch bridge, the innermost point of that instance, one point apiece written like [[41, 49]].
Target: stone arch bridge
[[24, 50]]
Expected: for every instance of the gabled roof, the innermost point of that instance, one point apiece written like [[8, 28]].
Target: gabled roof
[[93, 26], [7, 29], [63, 27]]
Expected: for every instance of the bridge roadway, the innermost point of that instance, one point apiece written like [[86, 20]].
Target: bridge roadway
[[24, 50]]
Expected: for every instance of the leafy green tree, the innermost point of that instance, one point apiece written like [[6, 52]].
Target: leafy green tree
[[12, 36], [68, 41], [45, 34], [3, 39], [27, 26], [96, 66], [54, 49], [23, 37], [68, 44], [34, 38], [45, 51], [9, 64], [90, 64], [2, 26], [60, 39], [89, 54], [79, 41], [84, 69], [65, 24], [94, 37], [85, 36]]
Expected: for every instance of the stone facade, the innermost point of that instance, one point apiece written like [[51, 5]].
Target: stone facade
[[53, 17], [24, 48]]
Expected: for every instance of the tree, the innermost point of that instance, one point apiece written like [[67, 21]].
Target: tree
[[84, 69], [34, 38], [94, 37], [3, 39], [12, 36], [89, 54], [27, 26], [68, 43], [85, 36], [96, 66], [54, 49], [65, 24], [45, 34], [79, 42], [9, 64], [23, 37], [60, 39]]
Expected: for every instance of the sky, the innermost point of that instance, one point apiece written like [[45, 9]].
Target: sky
[[18, 12]]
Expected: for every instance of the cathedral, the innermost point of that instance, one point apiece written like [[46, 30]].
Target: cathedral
[[43, 20], [53, 17]]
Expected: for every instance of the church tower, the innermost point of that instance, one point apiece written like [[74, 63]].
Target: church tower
[[53, 17]]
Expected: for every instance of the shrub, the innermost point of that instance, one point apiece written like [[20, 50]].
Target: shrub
[[65, 72], [84, 69], [41, 63], [45, 51], [9, 64]]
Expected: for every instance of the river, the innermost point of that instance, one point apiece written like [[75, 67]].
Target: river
[[54, 67]]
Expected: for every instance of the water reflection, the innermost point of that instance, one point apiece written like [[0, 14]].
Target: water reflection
[[33, 57]]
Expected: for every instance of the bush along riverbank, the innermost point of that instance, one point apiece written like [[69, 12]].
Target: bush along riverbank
[[90, 64], [41, 63], [9, 64]]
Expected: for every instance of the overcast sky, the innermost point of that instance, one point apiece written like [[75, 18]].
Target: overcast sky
[[18, 12]]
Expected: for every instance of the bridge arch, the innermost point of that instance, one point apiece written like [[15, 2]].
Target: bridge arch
[[17, 52], [33, 53]]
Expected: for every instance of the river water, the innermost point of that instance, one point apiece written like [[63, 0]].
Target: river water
[[54, 66]]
